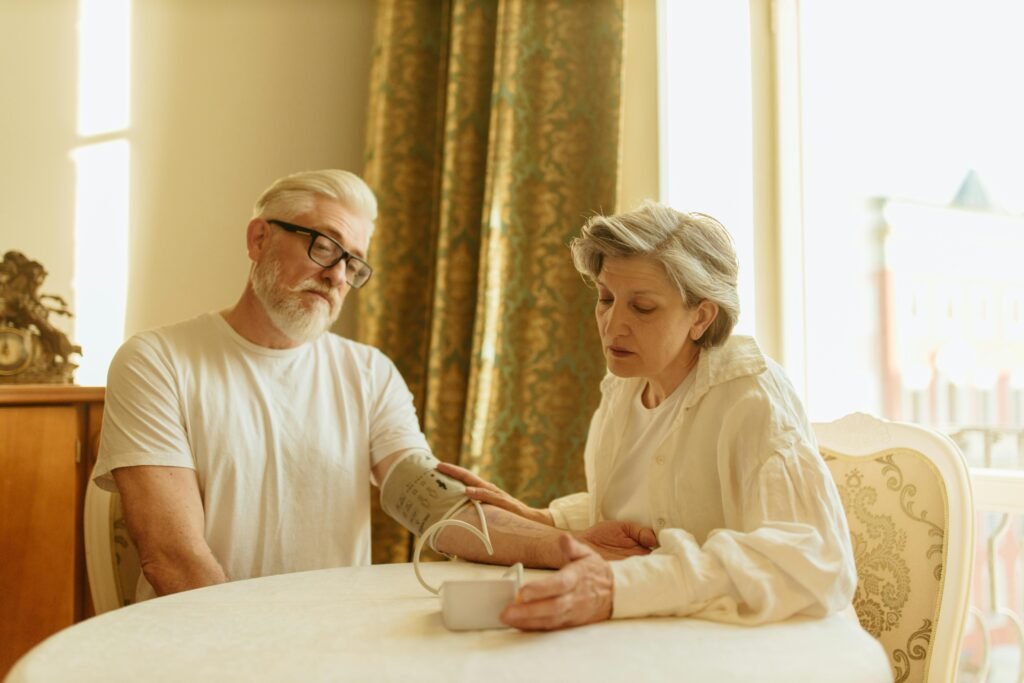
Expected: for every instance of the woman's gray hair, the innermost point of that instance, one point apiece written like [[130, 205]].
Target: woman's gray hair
[[294, 194], [696, 250]]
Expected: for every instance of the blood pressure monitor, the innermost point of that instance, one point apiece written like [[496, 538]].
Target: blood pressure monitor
[[424, 501], [417, 496]]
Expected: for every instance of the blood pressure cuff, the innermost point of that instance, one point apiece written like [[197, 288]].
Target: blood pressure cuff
[[416, 495]]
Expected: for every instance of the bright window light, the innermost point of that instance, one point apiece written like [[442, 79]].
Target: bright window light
[[101, 255], [706, 126], [913, 209], [104, 39], [102, 170]]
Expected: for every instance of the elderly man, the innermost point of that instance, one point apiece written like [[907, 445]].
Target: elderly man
[[242, 441]]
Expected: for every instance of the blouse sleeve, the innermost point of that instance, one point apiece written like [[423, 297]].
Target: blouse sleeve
[[571, 512], [786, 550], [575, 512]]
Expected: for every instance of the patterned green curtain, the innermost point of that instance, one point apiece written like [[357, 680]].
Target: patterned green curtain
[[494, 133]]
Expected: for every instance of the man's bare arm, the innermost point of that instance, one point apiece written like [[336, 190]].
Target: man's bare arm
[[164, 513]]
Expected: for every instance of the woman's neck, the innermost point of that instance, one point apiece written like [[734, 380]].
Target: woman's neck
[[660, 387]]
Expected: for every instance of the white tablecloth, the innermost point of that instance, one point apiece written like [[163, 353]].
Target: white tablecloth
[[378, 624]]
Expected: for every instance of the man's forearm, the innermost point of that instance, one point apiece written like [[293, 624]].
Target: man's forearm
[[514, 539], [172, 573], [164, 513]]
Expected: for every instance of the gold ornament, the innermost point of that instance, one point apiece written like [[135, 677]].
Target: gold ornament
[[31, 349]]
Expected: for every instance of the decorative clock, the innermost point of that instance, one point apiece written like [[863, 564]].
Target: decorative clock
[[32, 350], [16, 350]]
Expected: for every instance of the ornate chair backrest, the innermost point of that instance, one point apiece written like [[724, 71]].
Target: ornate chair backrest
[[908, 503], [111, 559]]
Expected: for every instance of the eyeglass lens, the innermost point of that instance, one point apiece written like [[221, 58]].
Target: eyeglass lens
[[326, 253]]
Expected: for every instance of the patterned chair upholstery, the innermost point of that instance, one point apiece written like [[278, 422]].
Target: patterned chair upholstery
[[907, 498], [111, 559]]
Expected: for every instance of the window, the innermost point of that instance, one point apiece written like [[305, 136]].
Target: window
[[102, 184], [913, 211], [898, 193], [706, 123], [889, 248]]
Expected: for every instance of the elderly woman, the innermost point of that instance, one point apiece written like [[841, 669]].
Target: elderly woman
[[698, 436]]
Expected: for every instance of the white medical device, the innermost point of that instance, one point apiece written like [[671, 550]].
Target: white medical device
[[424, 501]]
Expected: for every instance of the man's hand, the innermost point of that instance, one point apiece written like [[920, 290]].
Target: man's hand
[[619, 540], [579, 593], [486, 492]]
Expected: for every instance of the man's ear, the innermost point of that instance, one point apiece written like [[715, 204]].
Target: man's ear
[[257, 234], [707, 311]]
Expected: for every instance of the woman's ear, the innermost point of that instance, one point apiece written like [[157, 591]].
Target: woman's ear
[[256, 235], [707, 311]]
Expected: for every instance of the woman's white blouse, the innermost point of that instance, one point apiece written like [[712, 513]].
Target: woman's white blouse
[[750, 525], [625, 497]]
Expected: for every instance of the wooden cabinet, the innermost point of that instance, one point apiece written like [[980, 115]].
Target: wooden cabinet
[[48, 441]]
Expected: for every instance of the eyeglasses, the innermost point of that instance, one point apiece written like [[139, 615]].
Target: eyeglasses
[[327, 253]]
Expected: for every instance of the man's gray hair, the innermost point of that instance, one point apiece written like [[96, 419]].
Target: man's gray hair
[[696, 250], [294, 194]]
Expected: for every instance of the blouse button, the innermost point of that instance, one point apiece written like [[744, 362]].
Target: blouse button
[[661, 521], [660, 460]]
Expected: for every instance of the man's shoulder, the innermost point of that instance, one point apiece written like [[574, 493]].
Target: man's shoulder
[[338, 342], [199, 326], [170, 341], [361, 365], [363, 355]]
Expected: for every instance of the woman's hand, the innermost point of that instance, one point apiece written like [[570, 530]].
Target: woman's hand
[[579, 593], [619, 540], [486, 492]]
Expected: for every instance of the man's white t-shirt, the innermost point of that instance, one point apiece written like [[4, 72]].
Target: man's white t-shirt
[[282, 440]]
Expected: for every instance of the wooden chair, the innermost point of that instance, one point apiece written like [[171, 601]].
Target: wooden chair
[[908, 502], [111, 559]]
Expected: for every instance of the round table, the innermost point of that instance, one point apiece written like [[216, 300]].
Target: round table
[[378, 624]]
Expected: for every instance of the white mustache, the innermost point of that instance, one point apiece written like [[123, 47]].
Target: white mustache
[[319, 288]]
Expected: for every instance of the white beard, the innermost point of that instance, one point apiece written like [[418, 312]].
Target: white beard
[[297, 321]]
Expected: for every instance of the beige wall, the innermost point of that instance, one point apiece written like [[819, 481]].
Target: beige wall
[[230, 96], [226, 95], [37, 131]]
